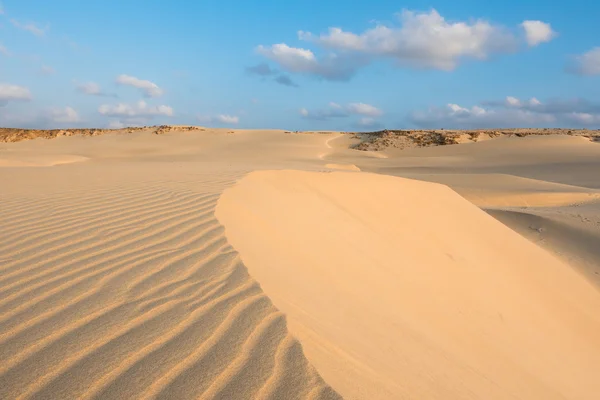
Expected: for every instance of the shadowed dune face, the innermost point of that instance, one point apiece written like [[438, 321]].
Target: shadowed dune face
[[124, 286], [400, 288]]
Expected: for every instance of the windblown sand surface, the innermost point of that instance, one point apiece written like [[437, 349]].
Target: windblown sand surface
[[263, 264]]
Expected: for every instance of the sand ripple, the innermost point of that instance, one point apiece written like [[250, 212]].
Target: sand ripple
[[132, 291]]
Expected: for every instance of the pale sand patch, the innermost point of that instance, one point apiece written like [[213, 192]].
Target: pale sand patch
[[399, 288], [345, 167], [30, 160]]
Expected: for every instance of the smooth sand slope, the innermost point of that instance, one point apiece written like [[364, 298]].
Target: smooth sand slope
[[546, 188], [117, 279], [403, 289]]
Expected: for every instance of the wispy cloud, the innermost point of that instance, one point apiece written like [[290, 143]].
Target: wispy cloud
[[148, 88], [334, 110], [264, 70], [369, 123], [30, 27], [92, 89], [4, 51], [47, 70], [285, 81]]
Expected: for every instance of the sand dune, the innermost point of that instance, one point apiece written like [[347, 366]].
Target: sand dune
[[129, 289], [117, 280], [400, 288]]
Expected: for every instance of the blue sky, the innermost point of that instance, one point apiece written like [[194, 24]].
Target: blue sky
[[299, 64]]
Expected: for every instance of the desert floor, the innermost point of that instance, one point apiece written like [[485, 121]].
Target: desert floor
[[264, 264]]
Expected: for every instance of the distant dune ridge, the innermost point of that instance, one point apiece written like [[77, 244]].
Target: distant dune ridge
[[231, 264]]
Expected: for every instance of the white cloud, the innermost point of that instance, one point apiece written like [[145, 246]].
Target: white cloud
[[423, 40], [141, 109], [150, 89], [220, 119], [537, 32], [10, 92], [47, 70], [588, 63], [512, 101], [227, 119], [29, 27], [364, 109], [512, 112], [64, 115], [292, 59]]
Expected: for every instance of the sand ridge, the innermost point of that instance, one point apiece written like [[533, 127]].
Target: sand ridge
[[407, 289]]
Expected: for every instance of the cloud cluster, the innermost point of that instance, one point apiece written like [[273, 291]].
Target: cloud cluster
[[9, 92], [265, 71], [149, 89], [511, 112], [219, 119], [422, 40], [141, 109], [47, 118], [133, 114]]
